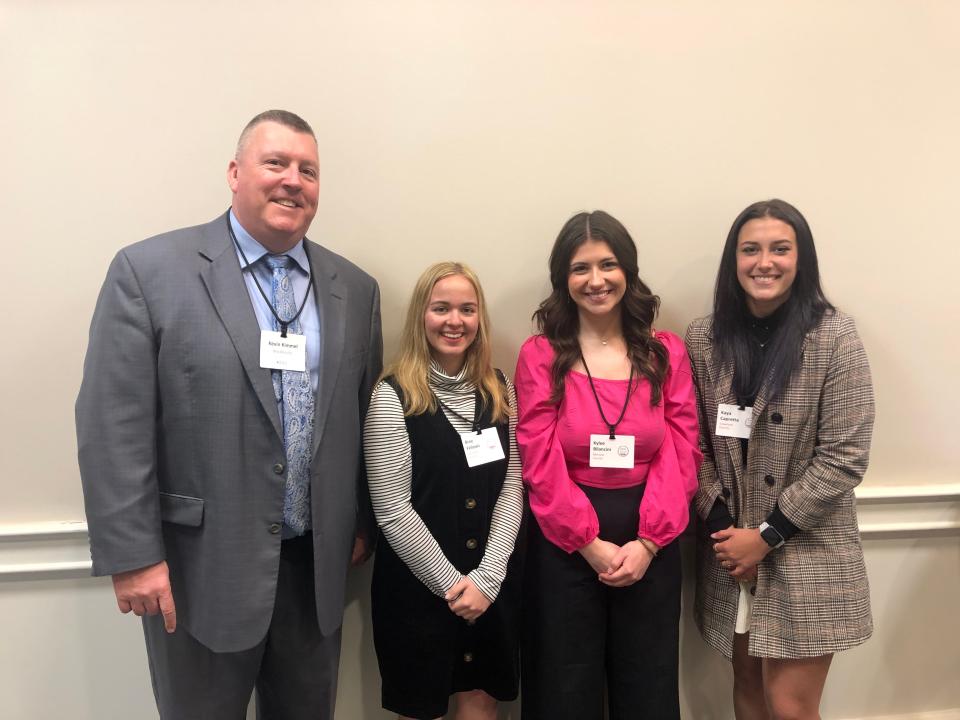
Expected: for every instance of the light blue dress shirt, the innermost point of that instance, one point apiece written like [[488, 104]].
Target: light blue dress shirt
[[299, 274]]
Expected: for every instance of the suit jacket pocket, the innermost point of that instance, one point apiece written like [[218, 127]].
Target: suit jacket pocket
[[181, 509]]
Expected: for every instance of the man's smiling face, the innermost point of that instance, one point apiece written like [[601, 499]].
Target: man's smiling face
[[275, 184]]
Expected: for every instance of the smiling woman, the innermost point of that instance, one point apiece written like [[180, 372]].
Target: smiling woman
[[766, 263], [444, 477], [451, 321], [778, 545], [607, 430]]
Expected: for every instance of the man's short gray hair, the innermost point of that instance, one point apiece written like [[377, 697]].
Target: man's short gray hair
[[281, 117]]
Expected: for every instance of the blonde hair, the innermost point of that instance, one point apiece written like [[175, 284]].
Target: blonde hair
[[411, 369]]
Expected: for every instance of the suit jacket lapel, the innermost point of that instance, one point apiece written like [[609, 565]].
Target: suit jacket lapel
[[331, 294], [228, 292]]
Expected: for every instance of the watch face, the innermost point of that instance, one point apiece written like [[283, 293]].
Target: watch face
[[771, 536]]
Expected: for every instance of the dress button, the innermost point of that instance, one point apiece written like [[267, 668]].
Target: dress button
[[726, 492], [274, 528], [471, 544], [278, 468], [769, 479], [469, 503], [468, 657], [777, 418]]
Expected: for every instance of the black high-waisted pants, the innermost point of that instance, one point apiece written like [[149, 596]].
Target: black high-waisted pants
[[579, 632]]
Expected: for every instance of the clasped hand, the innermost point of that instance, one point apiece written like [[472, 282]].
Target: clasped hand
[[617, 565], [465, 600], [739, 551]]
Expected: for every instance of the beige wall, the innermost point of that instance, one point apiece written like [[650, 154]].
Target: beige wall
[[471, 131]]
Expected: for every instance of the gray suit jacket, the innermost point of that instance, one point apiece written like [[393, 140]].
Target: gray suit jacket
[[180, 444]]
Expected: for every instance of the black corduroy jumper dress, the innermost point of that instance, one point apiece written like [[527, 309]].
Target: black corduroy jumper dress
[[425, 652]]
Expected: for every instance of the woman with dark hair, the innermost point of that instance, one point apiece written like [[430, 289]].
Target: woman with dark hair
[[607, 432], [444, 478], [786, 413]]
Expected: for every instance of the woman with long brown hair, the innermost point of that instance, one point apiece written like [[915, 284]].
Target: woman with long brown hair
[[608, 435]]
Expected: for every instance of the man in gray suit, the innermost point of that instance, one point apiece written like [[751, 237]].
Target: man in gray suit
[[219, 423]]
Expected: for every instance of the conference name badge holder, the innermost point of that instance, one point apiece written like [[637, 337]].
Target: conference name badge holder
[[481, 446], [734, 421], [611, 450], [279, 349]]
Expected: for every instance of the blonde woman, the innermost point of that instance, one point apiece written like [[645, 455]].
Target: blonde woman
[[445, 484]]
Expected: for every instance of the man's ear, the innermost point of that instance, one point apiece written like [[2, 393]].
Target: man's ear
[[232, 169]]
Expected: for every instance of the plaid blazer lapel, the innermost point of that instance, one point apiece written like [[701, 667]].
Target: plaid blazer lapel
[[722, 380], [760, 404]]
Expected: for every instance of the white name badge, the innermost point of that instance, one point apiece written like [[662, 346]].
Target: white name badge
[[483, 448], [283, 353], [734, 422], [607, 453]]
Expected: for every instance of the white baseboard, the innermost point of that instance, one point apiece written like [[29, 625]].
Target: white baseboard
[[951, 714]]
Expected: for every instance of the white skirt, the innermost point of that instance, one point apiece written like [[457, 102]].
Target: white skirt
[[744, 608]]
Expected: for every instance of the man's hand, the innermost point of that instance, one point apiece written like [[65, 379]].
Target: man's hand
[[631, 562], [466, 600], [146, 591], [600, 553], [362, 550], [739, 551]]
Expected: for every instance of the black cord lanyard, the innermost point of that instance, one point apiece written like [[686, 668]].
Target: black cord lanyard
[[611, 426], [284, 324], [477, 398]]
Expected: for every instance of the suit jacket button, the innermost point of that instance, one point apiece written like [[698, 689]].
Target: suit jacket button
[[469, 503], [777, 418], [769, 479], [468, 657], [726, 492], [753, 589], [471, 544], [279, 468], [274, 528]]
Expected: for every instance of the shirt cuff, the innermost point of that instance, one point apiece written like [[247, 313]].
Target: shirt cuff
[[719, 517], [779, 522]]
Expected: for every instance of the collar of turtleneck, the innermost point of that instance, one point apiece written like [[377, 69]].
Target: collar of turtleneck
[[762, 329], [452, 383]]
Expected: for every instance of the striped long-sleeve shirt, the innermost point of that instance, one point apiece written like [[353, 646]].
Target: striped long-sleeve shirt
[[390, 471]]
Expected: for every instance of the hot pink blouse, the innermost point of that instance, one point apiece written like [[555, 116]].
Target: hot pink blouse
[[554, 445]]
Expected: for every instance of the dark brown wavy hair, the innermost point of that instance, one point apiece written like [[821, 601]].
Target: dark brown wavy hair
[[557, 317]]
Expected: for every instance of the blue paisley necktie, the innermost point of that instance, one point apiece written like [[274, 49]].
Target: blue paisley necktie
[[294, 393]]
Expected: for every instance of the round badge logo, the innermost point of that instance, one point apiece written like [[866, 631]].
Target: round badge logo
[[623, 451]]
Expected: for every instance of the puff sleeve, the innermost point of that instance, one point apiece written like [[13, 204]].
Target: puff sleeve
[[565, 515], [672, 477]]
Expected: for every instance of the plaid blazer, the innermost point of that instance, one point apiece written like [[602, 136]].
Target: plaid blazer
[[808, 449]]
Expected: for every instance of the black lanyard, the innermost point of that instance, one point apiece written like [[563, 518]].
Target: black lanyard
[[611, 426], [477, 399], [284, 324]]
